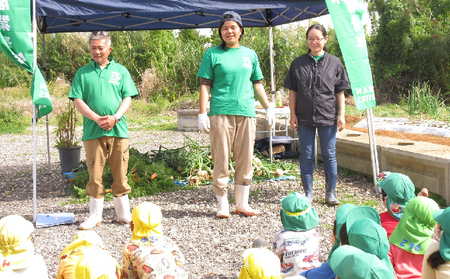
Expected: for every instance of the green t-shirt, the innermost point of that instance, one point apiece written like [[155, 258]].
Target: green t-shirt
[[103, 91], [232, 71]]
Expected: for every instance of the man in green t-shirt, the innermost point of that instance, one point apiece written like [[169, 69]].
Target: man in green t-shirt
[[102, 93]]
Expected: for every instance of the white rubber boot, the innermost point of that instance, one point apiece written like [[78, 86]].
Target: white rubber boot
[[122, 206], [242, 193], [95, 214], [224, 211]]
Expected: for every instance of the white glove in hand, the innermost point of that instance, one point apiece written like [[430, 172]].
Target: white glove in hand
[[203, 122], [270, 117]]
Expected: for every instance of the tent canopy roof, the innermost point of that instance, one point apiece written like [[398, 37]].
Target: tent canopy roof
[[56, 16]]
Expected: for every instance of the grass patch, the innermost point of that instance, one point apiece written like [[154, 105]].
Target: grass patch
[[386, 110], [255, 193], [346, 172], [422, 103], [326, 226], [371, 203], [12, 121]]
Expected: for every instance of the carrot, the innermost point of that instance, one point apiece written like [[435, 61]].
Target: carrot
[[153, 176]]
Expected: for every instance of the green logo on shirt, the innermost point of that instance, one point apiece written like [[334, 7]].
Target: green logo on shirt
[[115, 78]]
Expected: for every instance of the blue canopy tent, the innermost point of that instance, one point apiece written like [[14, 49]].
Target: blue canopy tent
[[87, 15], [54, 16]]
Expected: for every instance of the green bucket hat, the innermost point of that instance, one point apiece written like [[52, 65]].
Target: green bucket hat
[[443, 217], [362, 212], [350, 262], [297, 214], [399, 189], [341, 218], [413, 232], [370, 237]]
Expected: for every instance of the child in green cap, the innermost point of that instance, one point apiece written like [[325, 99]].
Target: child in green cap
[[349, 262], [397, 190], [324, 271], [436, 262], [298, 244], [412, 236]]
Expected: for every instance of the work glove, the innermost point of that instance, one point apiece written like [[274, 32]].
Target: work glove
[[203, 122], [270, 113]]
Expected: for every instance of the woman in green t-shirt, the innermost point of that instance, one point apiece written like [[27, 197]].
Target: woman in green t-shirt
[[230, 73]]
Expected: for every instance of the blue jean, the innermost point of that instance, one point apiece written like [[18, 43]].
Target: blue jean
[[327, 137]]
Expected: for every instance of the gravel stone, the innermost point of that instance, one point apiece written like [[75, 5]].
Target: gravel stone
[[212, 247]]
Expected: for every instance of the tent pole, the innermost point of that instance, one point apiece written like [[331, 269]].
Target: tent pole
[[272, 81], [373, 150], [44, 65], [34, 113]]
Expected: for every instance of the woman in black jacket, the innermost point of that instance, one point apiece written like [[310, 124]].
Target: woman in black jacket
[[317, 81]]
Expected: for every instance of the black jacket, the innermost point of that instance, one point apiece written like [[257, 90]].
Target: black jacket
[[316, 84]]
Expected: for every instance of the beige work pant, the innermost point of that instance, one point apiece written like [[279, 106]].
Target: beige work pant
[[117, 152], [231, 133]]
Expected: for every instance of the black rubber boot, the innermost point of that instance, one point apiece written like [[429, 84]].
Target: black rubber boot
[[307, 181], [330, 199]]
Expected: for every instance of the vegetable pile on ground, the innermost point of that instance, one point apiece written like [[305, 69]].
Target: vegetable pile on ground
[[166, 170]]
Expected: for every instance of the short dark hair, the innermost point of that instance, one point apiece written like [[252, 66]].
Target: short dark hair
[[343, 236], [334, 227], [383, 194], [321, 29], [435, 259]]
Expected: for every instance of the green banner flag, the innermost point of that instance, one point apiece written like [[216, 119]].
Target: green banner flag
[[15, 42], [347, 21]]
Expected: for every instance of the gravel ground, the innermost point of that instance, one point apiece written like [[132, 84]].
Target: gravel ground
[[212, 247]]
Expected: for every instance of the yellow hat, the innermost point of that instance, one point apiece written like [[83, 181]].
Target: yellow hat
[[97, 264], [260, 263], [147, 218], [16, 246], [83, 240]]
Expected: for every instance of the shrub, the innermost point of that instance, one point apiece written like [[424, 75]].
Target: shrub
[[12, 121]]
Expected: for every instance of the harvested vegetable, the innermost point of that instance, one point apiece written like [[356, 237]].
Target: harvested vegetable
[[162, 170]]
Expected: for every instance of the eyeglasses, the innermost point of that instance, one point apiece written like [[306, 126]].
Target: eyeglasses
[[100, 33], [315, 40]]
